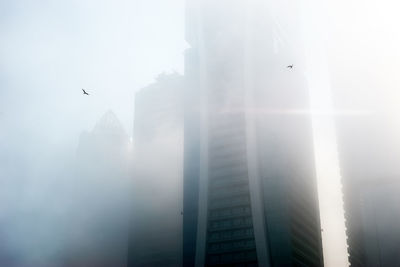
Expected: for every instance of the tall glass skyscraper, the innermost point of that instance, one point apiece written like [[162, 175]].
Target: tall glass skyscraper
[[250, 196]]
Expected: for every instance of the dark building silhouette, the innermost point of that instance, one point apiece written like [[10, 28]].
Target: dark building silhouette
[[108, 138], [99, 223], [156, 235], [250, 196], [368, 153], [381, 220]]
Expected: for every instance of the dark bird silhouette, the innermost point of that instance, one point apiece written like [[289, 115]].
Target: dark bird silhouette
[[290, 66], [84, 92], [181, 212]]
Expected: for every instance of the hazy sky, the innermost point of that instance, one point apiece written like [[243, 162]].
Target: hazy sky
[[52, 49], [49, 50]]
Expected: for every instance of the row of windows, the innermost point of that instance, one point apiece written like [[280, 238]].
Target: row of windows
[[237, 222], [230, 174], [216, 194], [227, 136], [231, 211], [227, 164], [227, 141], [227, 152], [304, 248], [307, 226], [231, 234], [232, 189], [228, 182], [233, 257], [228, 160], [305, 258], [298, 202], [230, 177], [228, 246], [228, 170], [229, 202]]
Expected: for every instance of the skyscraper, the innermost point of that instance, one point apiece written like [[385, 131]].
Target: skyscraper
[[156, 236], [250, 196], [101, 193], [368, 154], [381, 219]]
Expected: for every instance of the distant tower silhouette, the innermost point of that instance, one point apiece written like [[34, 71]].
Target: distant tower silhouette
[[368, 156], [156, 236], [107, 135], [102, 191]]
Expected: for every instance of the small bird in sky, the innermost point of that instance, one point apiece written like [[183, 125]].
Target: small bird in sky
[[84, 92], [290, 66], [181, 212]]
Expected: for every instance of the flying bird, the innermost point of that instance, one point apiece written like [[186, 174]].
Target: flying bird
[[290, 66], [84, 92]]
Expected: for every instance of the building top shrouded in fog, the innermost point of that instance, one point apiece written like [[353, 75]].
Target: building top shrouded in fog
[[102, 192], [157, 106], [156, 236], [250, 195], [107, 138]]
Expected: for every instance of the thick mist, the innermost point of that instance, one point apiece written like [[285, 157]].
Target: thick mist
[[58, 207], [76, 179]]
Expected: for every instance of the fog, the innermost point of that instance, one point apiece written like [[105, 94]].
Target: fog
[[75, 176], [49, 51]]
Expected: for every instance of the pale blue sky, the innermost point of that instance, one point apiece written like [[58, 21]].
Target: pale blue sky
[[51, 49]]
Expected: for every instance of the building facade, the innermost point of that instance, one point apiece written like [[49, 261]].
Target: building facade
[[381, 220], [370, 174], [250, 196]]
